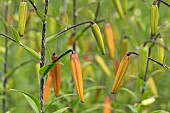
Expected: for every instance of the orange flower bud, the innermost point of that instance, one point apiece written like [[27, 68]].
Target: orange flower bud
[[107, 105], [47, 87], [120, 73], [77, 74], [109, 39], [56, 76]]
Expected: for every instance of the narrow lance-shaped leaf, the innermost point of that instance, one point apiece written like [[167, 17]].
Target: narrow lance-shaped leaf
[[22, 18], [15, 35], [56, 76], [45, 69], [109, 39], [31, 51], [34, 103], [61, 110], [120, 73], [77, 74], [98, 36]]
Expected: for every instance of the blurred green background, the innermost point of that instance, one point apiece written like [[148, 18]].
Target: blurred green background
[[97, 86]]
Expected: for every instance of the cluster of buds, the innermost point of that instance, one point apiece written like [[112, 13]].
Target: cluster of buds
[[54, 76]]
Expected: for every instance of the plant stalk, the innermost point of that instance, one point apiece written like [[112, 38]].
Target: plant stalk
[[4, 78], [43, 59]]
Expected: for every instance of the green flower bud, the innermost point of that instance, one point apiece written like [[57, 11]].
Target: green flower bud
[[98, 36]]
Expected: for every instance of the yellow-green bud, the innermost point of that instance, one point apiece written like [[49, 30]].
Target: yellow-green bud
[[154, 19], [98, 36], [22, 18]]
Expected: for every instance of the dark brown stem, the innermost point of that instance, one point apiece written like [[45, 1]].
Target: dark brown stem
[[159, 44], [68, 51], [6, 36], [34, 6], [165, 3], [74, 16], [43, 59], [65, 30], [97, 10], [4, 78], [149, 58], [74, 23]]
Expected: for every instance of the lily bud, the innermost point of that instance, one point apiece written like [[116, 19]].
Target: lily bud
[[56, 76], [47, 87], [120, 73], [107, 105], [154, 19], [124, 47], [143, 54], [152, 86], [160, 50], [109, 39], [102, 64], [22, 18], [77, 74], [98, 36], [119, 8]]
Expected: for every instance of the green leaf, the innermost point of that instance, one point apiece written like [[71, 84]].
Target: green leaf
[[33, 1], [94, 88], [50, 39], [42, 16], [61, 110], [130, 92], [34, 103], [132, 108], [15, 34], [56, 100], [45, 69], [159, 111], [32, 52], [93, 108]]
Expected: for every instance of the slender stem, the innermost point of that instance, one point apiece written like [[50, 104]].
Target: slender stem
[[97, 10], [68, 51], [34, 6], [155, 42], [74, 16], [43, 59], [165, 3], [149, 58], [147, 66], [6, 36], [61, 32], [74, 23], [19, 66], [86, 28], [4, 79]]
